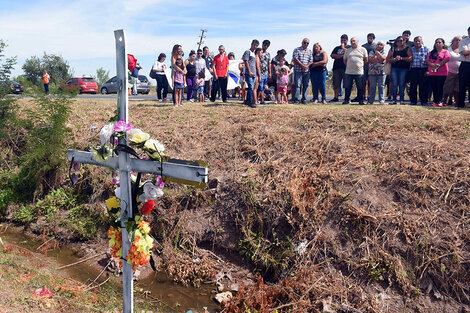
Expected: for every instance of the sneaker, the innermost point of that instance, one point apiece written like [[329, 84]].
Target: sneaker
[[394, 102], [159, 100], [438, 105], [333, 100], [191, 100], [355, 99], [253, 106], [412, 103], [382, 102], [402, 102], [275, 102], [346, 102], [361, 102], [165, 99], [424, 104]]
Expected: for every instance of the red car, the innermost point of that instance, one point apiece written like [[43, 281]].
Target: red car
[[80, 85]]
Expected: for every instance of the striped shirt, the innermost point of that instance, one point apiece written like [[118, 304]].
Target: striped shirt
[[304, 56], [419, 57]]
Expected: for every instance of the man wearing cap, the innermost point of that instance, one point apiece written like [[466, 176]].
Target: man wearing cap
[[302, 58], [464, 69], [407, 35], [338, 65], [370, 46]]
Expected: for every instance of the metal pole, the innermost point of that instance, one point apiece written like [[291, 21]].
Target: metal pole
[[125, 183]]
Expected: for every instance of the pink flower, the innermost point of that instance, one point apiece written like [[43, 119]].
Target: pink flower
[[122, 126], [160, 182]]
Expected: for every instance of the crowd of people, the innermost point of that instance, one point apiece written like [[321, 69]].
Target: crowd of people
[[439, 73]]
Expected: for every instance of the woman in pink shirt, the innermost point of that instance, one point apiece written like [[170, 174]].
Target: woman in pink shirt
[[437, 69]]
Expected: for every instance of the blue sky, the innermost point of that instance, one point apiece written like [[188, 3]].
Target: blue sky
[[82, 31]]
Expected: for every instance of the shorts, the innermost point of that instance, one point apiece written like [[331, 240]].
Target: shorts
[[179, 85], [451, 85], [281, 89], [200, 90], [338, 76], [262, 82]]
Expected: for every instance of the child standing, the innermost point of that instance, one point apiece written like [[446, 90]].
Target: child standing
[[178, 81], [200, 85], [282, 72]]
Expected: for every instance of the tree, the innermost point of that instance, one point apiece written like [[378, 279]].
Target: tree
[[6, 104], [102, 76], [58, 68]]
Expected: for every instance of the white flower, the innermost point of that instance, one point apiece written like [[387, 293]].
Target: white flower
[[106, 132], [153, 145], [137, 136], [151, 192], [117, 192]]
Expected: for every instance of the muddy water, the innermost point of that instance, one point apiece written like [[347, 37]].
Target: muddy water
[[177, 298]]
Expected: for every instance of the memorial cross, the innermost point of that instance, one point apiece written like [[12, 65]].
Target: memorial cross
[[187, 172]]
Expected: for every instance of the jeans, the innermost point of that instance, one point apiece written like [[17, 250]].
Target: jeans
[[250, 84], [162, 84], [379, 81], [301, 78], [219, 83], [190, 86], [398, 81], [46, 88], [348, 82], [417, 78], [319, 80], [464, 82]]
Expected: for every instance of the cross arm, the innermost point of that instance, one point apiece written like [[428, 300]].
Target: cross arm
[[180, 171]]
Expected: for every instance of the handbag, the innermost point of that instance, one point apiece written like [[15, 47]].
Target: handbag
[[153, 74]]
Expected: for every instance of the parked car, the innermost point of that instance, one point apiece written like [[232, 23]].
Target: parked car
[[80, 85], [112, 86], [16, 87]]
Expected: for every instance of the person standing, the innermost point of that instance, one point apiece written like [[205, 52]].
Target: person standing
[[159, 68], [370, 46], [437, 68], [451, 85], [249, 60], [302, 58], [318, 72], [176, 53], [265, 67], [191, 75], [400, 56], [354, 58], [207, 57], [45, 80], [200, 64], [274, 63], [376, 72], [417, 73], [220, 72], [406, 37], [339, 67], [464, 69]]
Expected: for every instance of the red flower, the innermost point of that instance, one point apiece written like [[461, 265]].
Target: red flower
[[148, 207]]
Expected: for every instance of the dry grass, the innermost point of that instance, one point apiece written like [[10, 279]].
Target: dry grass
[[380, 194]]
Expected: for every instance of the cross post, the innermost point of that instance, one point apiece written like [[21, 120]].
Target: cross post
[[187, 172]]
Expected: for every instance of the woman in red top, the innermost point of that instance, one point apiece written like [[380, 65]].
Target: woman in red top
[[437, 67], [220, 72]]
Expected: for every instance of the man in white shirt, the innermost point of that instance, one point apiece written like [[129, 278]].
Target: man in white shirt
[[464, 69], [354, 58]]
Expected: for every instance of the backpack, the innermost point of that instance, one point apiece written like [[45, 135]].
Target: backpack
[[131, 62], [153, 74]]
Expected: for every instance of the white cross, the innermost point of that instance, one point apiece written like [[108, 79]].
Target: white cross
[[188, 172]]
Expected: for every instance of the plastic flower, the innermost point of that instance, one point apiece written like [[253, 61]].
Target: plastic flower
[[115, 242], [136, 136], [122, 126], [151, 192], [101, 153], [148, 207], [153, 145], [160, 182], [112, 203], [106, 132]]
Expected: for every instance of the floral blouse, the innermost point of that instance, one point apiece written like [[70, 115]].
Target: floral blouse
[[376, 68]]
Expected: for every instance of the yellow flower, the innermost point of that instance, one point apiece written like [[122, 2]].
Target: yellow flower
[[112, 203], [153, 145], [136, 136]]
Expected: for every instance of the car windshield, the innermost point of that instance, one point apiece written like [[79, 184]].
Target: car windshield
[[143, 78], [88, 79]]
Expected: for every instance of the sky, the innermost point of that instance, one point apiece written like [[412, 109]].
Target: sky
[[82, 31]]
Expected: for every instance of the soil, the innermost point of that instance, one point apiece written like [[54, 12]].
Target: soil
[[332, 208]]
